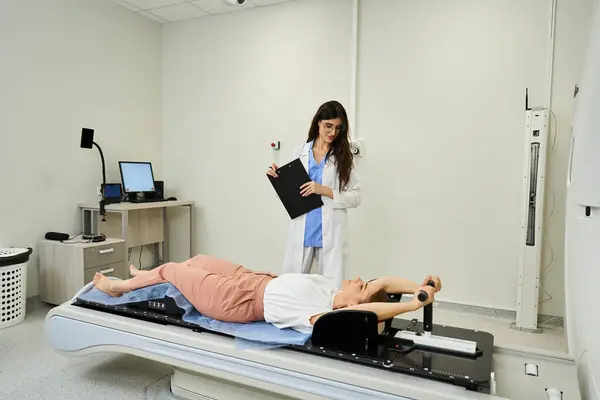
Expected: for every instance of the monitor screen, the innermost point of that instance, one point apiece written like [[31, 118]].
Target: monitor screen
[[137, 176]]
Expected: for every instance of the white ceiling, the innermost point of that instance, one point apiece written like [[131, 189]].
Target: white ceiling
[[166, 11]]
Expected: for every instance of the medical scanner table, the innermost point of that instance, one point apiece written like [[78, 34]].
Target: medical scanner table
[[348, 356]]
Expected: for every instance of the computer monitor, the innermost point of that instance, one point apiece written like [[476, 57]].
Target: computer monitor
[[137, 176]]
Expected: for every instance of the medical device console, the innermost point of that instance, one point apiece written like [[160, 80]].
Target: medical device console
[[403, 346], [112, 193]]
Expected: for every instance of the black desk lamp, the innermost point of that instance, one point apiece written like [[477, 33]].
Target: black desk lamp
[[87, 142]]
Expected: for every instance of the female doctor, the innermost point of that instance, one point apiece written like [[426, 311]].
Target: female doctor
[[321, 235]]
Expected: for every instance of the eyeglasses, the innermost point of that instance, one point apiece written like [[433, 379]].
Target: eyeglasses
[[327, 127]]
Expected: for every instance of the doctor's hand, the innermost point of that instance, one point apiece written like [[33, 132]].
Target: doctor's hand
[[312, 188], [272, 171], [436, 280]]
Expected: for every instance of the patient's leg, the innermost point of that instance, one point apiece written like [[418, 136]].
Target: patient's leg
[[216, 265], [133, 271], [207, 263], [142, 279], [114, 288]]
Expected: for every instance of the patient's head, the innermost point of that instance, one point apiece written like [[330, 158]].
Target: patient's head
[[356, 291]]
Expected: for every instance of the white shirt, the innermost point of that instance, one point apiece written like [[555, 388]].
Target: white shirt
[[292, 299]]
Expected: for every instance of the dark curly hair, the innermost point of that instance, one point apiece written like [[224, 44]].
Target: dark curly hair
[[340, 148]]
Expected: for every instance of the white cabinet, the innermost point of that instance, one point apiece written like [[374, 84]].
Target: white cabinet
[[67, 267]]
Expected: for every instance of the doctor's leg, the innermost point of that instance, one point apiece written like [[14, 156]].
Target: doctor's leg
[[307, 259], [319, 261], [333, 272]]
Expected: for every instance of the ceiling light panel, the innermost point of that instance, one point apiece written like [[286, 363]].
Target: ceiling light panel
[[150, 4]]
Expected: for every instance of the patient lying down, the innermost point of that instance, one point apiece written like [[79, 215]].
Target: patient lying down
[[229, 292]]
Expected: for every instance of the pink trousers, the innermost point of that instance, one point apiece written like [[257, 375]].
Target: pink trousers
[[217, 288]]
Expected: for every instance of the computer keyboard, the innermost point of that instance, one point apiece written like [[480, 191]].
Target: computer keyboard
[[146, 200]]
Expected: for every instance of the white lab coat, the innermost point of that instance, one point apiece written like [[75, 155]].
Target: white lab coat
[[335, 222]]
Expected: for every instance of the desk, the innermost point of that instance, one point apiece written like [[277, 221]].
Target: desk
[[138, 224]]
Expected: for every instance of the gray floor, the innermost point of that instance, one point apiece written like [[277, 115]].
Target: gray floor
[[30, 369]]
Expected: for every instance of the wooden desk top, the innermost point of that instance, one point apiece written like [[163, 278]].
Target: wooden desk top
[[126, 206]]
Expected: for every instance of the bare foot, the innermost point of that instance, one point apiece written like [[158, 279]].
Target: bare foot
[[133, 271], [105, 285]]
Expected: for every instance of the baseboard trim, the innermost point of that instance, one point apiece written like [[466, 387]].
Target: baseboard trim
[[544, 321]]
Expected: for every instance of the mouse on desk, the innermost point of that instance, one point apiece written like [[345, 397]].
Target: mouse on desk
[[172, 199]]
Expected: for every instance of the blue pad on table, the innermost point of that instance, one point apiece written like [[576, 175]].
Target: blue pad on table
[[248, 336]]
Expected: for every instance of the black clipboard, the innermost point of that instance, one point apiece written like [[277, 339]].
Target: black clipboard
[[287, 185]]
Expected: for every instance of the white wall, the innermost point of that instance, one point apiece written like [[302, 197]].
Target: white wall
[[453, 76], [231, 85], [440, 107], [69, 64], [572, 34], [583, 232]]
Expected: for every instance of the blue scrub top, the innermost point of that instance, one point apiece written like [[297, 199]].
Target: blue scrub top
[[313, 230]]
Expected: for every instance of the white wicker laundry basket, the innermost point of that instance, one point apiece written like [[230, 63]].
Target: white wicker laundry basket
[[13, 279]]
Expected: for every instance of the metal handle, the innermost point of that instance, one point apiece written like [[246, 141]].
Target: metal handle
[[423, 296], [427, 310], [106, 251], [107, 271]]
